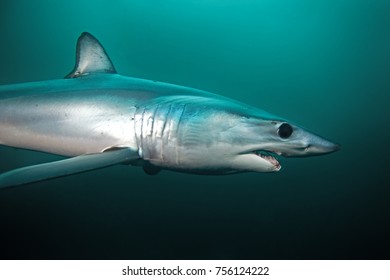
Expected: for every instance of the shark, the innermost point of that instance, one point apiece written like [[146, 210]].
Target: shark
[[96, 118]]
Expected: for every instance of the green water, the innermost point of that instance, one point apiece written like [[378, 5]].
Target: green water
[[322, 64]]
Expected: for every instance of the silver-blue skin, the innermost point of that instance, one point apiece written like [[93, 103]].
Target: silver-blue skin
[[100, 118]]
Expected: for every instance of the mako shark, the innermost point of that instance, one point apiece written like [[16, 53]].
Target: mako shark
[[98, 118]]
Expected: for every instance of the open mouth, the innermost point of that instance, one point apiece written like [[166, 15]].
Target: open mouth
[[270, 157]]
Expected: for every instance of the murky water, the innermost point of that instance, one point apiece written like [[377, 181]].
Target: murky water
[[322, 64]]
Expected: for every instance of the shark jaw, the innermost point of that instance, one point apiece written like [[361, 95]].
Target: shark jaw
[[257, 161], [266, 155]]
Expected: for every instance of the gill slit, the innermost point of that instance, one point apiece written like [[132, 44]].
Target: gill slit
[[163, 130], [177, 132]]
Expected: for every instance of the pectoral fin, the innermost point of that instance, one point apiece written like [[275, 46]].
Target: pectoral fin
[[83, 163]]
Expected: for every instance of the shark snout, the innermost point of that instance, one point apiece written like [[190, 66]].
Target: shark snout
[[319, 146], [325, 147], [310, 145]]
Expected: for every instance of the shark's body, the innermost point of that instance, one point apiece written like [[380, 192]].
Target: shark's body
[[86, 115], [100, 118]]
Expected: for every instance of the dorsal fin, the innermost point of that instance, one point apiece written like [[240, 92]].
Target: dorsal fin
[[90, 57]]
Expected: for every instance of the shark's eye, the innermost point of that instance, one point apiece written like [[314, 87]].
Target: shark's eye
[[285, 130]]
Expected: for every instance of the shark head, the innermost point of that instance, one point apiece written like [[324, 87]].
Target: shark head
[[221, 136], [264, 139]]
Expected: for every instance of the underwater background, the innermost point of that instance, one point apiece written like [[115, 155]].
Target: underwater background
[[322, 64]]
